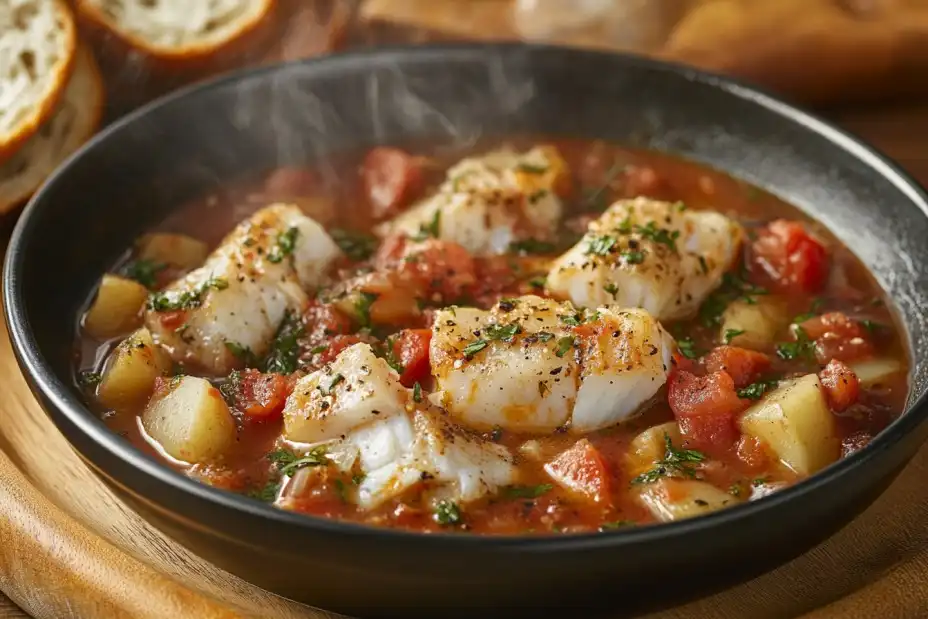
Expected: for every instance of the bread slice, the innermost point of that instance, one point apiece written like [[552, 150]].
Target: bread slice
[[38, 39], [179, 32], [74, 121]]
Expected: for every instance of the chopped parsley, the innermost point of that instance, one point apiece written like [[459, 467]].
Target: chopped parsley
[[563, 345], [731, 334], [544, 336], [355, 245], [600, 245], [802, 348], [526, 492], [633, 257], [286, 243], [389, 355], [659, 235], [315, 350], [616, 524], [571, 320], [870, 325], [760, 481], [417, 393], [231, 387], [144, 272], [362, 308], [89, 378], [531, 246], [812, 313], [267, 493], [735, 490], [188, 299], [447, 513], [676, 463], [242, 353], [538, 282], [756, 391], [687, 348], [337, 378], [504, 333], [532, 168], [341, 490], [611, 289], [473, 348], [284, 355], [431, 229], [288, 462], [358, 478], [734, 287]]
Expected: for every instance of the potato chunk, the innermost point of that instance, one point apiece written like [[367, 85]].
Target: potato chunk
[[874, 371], [117, 308], [130, 372], [177, 250], [795, 422], [190, 420], [651, 445], [675, 499], [757, 321]]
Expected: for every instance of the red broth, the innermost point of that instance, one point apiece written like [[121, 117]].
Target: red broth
[[795, 264]]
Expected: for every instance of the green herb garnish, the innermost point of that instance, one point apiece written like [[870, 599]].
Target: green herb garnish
[[633, 257], [144, 272], [802, 348], [362, 307], [687, 348], [188, 299], [676, 463], [417, 393], [284, 355], [242, 353], [288, 462], [356, 245], [731, 334], [526, 492], [563, 345], [431, 229], [473, 348], [616, 524], [532, 168], [267, 493], [571, 320], [600, 245], [659, 235], [531, 246], [447, 513], [538, 282], [89, 378], [756, 391], [286, 243], [504, 333], [611, 289]]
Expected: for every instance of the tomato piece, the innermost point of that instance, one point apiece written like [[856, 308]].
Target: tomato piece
[[442, 267], [790, 258], [172, 319], [333, 346], [391, 178], [411, 350], [581, 469], [840, 385], [325, 320], [837, 337], [743, 365], [751, 452], [262, 396], [705, 408]]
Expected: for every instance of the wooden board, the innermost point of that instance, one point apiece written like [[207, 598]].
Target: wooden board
[[69, 548]]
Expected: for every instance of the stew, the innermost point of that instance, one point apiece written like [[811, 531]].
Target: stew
[[523, 339]]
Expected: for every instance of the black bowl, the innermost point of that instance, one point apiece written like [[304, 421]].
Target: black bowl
[[135, 172]]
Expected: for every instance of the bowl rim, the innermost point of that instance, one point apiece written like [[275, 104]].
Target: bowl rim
[[57, 394]]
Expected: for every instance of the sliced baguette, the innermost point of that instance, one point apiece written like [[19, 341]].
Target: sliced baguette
[[180, 33], [74, 121], [38, 40]]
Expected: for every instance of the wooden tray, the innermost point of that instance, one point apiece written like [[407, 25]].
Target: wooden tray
[[69, 548]]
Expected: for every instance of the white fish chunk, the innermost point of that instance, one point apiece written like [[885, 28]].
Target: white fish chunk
[[650, 254], [488, 202], [355, 389], [524, 365], [238, 298]]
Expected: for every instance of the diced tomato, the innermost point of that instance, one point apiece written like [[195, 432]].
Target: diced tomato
[[705, 407], [325, 320], [743, 365], [751, 452], [333, 346], [391, 178], [840, 384], [444, 268], [411, 350], [172, 319], [837, 337], [790, 258], [581, 469], [262, 396]]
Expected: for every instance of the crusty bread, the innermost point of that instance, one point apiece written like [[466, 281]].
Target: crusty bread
[[74, 121], [182, 30], [38, 39]]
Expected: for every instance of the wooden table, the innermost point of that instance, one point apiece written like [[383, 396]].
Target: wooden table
[[69, 549]]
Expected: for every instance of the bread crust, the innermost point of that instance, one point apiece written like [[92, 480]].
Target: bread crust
[[190, 60], [45, 108], [85, 67]]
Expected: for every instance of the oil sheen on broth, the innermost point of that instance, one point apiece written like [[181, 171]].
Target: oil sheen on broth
[[536, 337]]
